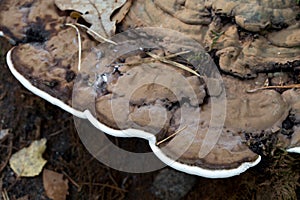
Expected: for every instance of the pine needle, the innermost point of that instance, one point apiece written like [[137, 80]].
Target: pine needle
[[176, 54], [95, 33], [79, 44], [164, 60], [275, 87], [170, 136]]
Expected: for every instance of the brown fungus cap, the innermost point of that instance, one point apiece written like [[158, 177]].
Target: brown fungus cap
[[132, 91], [157, 14], [30, 21], [47, 55], [245, 112], [289, 37], [115, 86], [52, 66], [240, 52], [189, 11], [250, 112], [247, 57], [254, 16]]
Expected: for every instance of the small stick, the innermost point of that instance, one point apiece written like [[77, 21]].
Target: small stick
[[95, 33], [275, 87], [79, 44], [170, 136]]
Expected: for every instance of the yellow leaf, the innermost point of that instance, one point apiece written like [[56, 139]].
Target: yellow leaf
[[28, 162]]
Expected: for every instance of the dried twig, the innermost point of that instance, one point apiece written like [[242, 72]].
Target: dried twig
[[275, 87], [170, 136]]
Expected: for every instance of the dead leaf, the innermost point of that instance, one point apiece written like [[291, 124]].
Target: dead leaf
[[95, 12], [28, 162], [120, 15], [55, 186]]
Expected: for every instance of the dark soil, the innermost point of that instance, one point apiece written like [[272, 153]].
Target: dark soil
[[30, 118]]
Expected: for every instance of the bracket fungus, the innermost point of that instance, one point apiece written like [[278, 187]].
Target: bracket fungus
[[158, 84], [132, 93]]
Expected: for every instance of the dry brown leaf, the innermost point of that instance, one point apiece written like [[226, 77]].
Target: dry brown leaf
[[28, 162], [96, 12], [55, 186], [120, 15]]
